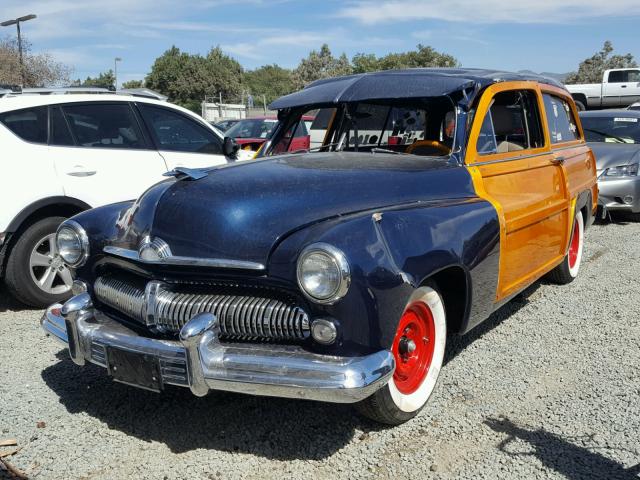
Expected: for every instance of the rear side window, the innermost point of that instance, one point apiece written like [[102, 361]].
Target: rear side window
[[175, 132], [30, 124], [515, 121], [60, 133], [101, 125], [562, 125]]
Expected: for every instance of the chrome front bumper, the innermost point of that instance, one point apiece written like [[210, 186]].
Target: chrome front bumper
[[199, 361]]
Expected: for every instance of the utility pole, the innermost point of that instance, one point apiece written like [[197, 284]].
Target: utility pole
[[16, 22], [115, 70]]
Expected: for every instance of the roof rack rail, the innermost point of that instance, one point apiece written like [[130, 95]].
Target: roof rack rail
[[136, 92]]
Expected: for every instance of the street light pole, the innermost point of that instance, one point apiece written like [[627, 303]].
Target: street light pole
[[115, 70], [16, 22]]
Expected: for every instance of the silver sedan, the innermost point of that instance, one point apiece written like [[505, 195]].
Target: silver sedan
[[614, 137]]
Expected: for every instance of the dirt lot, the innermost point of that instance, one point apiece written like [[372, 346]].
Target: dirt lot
[[549, 387]]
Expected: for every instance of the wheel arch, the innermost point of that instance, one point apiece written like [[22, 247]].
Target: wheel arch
[[580, 97], [454, 286]]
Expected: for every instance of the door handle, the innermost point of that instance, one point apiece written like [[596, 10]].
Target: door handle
[[558, 160], [81, 174], [623, 86]]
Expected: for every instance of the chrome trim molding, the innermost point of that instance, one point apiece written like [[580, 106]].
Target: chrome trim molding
[[185, 261], [198, 359]]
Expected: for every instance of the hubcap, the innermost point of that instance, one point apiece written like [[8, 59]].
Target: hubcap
[[47, 268], [574, 248], [413, 347]]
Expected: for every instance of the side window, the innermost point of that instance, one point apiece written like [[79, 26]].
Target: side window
[[175, 132], [30, 124], [562, 125], [515, 120], [634, 76], [618, 77], [103, 125], [60, 133]]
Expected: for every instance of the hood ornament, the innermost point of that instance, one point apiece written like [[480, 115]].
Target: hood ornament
[[181, 173], [153, 250]]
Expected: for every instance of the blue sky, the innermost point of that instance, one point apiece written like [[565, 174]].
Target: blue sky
[[540, 35]]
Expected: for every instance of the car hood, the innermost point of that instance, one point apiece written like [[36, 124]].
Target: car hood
[[241, 211], [614, 154]]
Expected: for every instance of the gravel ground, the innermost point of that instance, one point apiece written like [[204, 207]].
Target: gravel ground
[[548, 387]]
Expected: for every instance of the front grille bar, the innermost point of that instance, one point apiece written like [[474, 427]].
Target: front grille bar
[[240, 317]]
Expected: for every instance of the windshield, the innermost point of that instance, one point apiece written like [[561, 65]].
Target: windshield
[[612, 129], [252, 128], [416, 127]]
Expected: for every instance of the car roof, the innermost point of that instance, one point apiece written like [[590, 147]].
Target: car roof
[[618, 112], [398, 84], [16, 102]]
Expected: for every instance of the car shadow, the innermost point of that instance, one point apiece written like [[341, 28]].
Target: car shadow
[[273, 428], [10, 304], [560, 454], [457, 343]]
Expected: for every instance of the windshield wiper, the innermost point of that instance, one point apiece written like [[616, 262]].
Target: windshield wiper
[[606, 135]]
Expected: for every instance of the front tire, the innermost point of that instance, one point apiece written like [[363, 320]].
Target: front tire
[[418, 349], [568, 270], [35, 272]]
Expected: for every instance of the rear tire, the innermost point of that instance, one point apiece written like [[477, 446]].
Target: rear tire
[[418, 348], [568, 270], [580, 106], [33, 258]]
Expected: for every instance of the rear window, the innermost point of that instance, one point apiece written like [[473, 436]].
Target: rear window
[[30, 124]]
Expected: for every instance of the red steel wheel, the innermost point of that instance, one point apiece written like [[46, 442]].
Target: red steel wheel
[[413, 347], [574, 247]]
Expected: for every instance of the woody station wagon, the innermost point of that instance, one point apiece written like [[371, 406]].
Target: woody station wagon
[[431, 198]]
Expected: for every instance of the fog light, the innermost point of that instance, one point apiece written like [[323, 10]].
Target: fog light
[[78, 287], [324, 331], [628, 199]]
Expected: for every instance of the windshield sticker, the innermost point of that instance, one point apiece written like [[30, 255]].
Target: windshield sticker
[[626, 119]]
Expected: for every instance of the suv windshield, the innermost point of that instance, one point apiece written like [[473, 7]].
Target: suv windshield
[[619, 129], [417, 127], [252, 128]]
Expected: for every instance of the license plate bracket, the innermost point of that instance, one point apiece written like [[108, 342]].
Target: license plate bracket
[[134, 368]]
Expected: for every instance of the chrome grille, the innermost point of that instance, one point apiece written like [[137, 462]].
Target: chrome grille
[[120, 295], [241, 317]]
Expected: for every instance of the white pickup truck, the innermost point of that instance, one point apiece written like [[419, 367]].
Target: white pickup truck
[[620, 87]]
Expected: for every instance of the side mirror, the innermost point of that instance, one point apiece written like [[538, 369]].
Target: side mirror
[[230, 147]]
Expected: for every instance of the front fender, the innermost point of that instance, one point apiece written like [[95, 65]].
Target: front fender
[[392, 252]]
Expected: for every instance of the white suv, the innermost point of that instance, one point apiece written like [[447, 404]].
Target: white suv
[[62, 154]]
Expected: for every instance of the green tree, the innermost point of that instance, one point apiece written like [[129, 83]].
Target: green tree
[[186, 79], [40, 70], [592, 69], [423, 56], [319, 65], [272, 81], [133, 84], [104, 79]]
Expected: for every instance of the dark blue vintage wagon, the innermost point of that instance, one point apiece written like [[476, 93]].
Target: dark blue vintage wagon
[[334, 273]]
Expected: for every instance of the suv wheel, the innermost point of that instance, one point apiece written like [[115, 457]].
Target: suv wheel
[[36, 275]]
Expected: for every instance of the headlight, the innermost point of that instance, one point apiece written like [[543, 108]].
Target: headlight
[[323, 273], [622, 171], [72, 243]]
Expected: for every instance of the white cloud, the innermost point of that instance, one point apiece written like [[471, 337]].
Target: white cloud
[[488, 11]]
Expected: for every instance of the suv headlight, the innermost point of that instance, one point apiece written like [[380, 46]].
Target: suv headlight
[[622, 171], [323, 273], [72, 243]]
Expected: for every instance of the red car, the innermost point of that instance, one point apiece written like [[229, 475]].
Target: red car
[[251, 133]]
